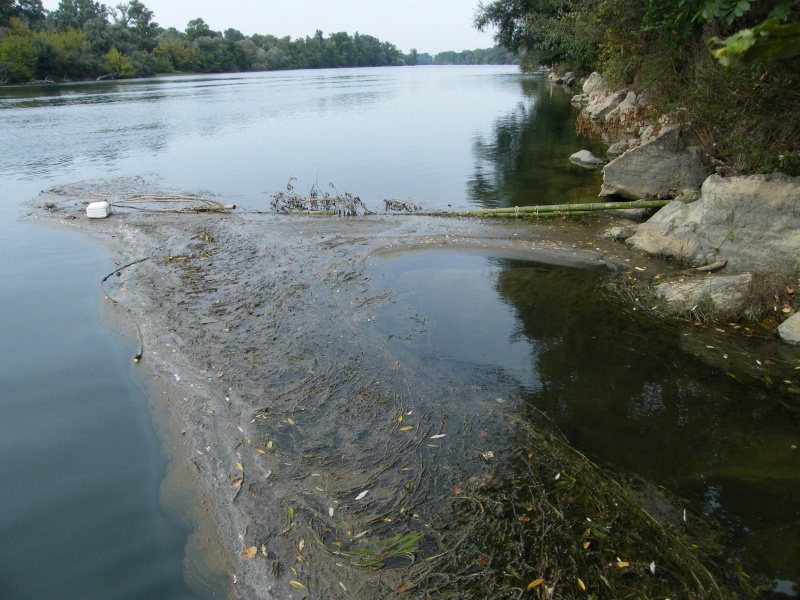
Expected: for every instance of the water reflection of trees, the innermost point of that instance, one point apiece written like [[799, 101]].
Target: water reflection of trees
[[524, 159], [623, 390]]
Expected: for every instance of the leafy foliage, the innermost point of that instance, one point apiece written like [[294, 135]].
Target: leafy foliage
[[726, 66], [84, 39]]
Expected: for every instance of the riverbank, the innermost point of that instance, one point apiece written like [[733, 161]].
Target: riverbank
[[252, 325]]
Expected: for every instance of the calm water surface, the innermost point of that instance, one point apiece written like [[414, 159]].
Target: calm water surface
[[80, 463]]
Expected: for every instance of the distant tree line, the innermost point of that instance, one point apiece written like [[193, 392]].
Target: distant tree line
[[489, 56], [84, 39]]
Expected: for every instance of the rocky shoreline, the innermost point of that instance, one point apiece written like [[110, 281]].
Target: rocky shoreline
[[735, 229]]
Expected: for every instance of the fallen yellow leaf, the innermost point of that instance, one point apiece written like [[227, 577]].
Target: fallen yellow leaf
[[581, 584], [407, 428], [622, 564], [239, 466], [405, 586], [400, 419], [290, 421], [260, 451], [298, 585], [250, 552], [536, 583]]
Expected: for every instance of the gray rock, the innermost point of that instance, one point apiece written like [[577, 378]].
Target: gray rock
[[725, 295], [580, 99], [586, 159], [619, 233], [616, 149], [753, 222], [568, 79], [673, 233], [629, 103], [602, 104], [594, 84], [667, 164], [789, 330]]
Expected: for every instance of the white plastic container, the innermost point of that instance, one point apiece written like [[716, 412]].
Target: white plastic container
[[98, 210]]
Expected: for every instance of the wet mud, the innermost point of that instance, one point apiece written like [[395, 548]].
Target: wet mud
[[324, 462]]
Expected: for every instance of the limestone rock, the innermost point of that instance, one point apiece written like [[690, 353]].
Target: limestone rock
[[580, 99], [568, 79], [630, 102], [789, 330], [726, 295], [669, 163], [594, 84], [586, 159], [754, 221], [602, 104], [673, 233], [620, 233]]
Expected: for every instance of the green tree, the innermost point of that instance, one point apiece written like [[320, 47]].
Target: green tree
[[119, 65], [197, 28], [75, 14], [29, 12], [136, 17]]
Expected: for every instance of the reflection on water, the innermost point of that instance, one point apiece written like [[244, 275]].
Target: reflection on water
[[522, 161], [445, 136], [621, 390]]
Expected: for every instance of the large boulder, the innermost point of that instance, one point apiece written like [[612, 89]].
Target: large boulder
[[594, 84], [724, 295], [752, 222], [630, 102], [603, 103], [673, 233], [670, 163]]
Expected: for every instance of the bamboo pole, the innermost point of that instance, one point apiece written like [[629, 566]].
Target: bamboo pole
[[560, 209]]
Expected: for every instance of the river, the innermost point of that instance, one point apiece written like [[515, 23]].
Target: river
[[81, 461]]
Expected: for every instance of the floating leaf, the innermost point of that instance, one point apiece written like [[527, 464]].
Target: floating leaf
[[405, 586], [298, 585], [250, 552], [407, 428], [362, 495], [536, 583]]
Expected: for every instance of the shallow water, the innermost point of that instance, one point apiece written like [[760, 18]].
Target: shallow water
[[621, 389]]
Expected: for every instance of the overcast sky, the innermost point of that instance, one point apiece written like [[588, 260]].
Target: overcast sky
[[427, 25]]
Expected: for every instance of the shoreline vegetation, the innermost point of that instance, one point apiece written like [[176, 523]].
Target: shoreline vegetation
[[728, 67], [85, 40]]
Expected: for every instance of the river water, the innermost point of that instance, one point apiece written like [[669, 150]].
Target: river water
[[80, 459]]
